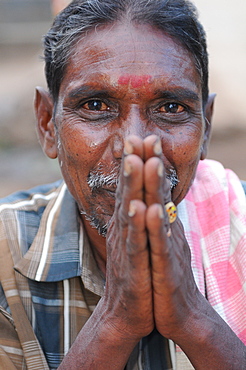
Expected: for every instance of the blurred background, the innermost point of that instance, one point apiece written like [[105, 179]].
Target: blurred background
[[22, 24]]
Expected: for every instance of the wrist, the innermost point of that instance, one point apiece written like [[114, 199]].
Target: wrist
[[208, 341], [99, 345], [118, 328], [196, 325]]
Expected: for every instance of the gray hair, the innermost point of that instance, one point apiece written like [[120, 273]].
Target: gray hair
[[177, 18]]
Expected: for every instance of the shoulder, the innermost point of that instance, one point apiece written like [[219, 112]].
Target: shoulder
[[20, 215], [29, 200], [26, 195], [212, 178], [218, 195]]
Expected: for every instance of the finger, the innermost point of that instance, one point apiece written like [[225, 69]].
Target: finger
[[157, 186], [157, 225], [152, 147], [131, 252], [130, 185], [136, 244], [134, 145], [169, 254], [137, 250], [131, 181]]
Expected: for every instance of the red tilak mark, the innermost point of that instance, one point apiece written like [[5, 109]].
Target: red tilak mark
[[124, 80], [134, 81]]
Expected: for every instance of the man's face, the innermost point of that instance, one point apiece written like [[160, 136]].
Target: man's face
[[124, 80]]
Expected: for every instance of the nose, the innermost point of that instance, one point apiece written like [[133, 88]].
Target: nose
[[134, 123]]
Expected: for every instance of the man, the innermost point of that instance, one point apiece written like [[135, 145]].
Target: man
[[104, 276]]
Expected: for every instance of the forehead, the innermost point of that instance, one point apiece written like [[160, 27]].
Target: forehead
[[130, 54]]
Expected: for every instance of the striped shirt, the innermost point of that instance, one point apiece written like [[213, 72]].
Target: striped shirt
[[55, 283]]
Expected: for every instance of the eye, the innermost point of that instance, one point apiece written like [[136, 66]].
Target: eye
[[95, 105], [172, 108]]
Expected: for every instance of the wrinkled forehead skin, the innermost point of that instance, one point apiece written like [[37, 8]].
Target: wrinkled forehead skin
[[93, 51], [72, 47]]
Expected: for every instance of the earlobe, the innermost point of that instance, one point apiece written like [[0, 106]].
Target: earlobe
[[43, 106], [209, 109]]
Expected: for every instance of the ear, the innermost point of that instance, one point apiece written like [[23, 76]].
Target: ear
[[43, 105], [209, 109]]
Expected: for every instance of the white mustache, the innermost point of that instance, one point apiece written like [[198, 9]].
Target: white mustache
[[173, 177], [98, 179]]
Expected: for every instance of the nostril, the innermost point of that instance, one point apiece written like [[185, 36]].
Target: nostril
[[117, 146]]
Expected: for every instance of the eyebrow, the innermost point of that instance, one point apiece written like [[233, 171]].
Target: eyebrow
[[88, 91], [180, 94]]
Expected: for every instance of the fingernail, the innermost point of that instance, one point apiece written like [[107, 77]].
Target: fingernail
[[128, 147], [160, 212], [127, 168], [160, 169], [132, 209], [157, 147]]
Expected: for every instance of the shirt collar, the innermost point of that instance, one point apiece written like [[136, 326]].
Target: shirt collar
[[55, 253]]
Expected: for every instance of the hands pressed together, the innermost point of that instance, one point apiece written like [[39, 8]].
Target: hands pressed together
[[149, 278]]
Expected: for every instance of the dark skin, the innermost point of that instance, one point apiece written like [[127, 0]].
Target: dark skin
[[131, 97]]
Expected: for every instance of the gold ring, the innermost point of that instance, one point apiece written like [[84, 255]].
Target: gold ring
[[171, 211]]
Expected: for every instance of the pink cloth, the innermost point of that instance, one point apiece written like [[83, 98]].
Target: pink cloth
[[214, 218]]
